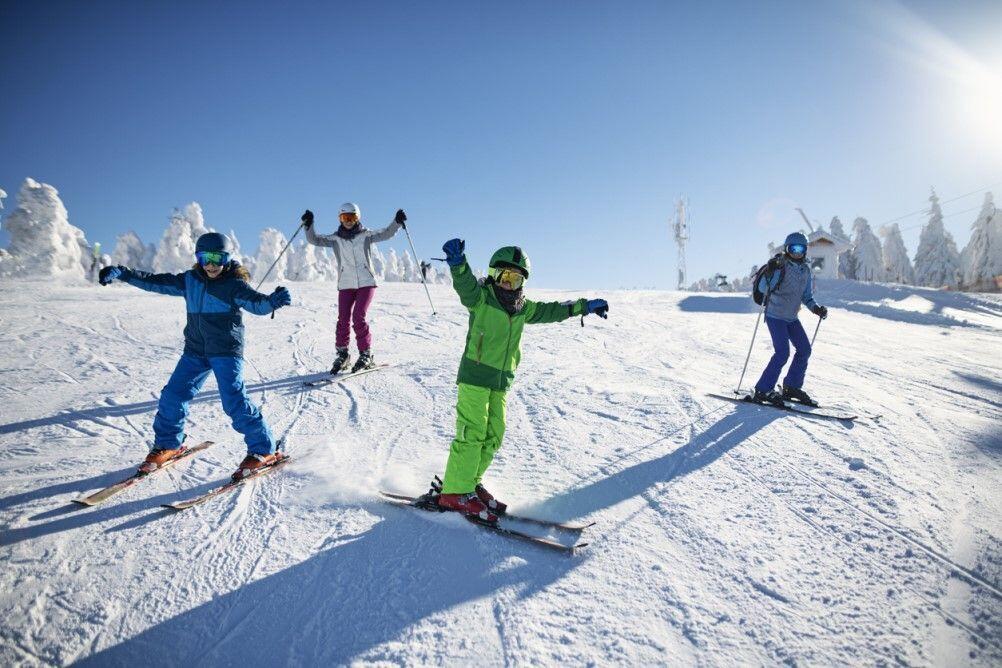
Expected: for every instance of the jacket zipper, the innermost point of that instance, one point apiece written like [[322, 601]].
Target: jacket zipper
[[507, 354], [480, 346], [201, 305]]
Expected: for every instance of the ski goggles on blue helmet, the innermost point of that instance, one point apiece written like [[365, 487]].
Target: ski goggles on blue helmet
[[509, 275], [219, 258], [796, 249]]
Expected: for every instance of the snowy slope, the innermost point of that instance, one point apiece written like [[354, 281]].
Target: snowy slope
[[725, 534]]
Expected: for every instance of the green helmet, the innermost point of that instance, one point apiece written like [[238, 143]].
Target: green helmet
[[510, 256]]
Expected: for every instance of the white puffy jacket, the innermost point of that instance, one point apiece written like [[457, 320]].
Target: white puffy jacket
[[354, 256]]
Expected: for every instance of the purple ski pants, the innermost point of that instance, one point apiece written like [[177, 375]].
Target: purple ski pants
[[352, 305]]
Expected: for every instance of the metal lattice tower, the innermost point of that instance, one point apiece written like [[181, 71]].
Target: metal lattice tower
[[681, 226]]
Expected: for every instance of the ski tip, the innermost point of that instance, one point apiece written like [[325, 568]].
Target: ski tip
[[85, 502]]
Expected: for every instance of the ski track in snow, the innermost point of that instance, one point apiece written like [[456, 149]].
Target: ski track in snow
[[725, 534]]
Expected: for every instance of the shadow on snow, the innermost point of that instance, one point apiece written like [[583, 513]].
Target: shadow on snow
[[293, 384]]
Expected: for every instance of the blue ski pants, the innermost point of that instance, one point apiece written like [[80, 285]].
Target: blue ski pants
[[187, 379], [782, 333]]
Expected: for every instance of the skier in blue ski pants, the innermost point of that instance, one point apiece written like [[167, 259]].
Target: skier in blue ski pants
[[215, 290], [788, 284]]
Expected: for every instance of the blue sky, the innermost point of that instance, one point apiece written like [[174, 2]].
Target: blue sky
[[565, 127]]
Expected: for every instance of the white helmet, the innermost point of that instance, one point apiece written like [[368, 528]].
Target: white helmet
[[351, 207]]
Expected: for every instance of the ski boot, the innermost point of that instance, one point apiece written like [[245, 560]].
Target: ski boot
[[158, 457], [798, 395], [252, 463], [771, 397], [492, 504], [364, 362], [469, 505], [341, 361]]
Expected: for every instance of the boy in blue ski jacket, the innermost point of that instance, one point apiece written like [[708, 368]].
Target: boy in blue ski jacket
[[214, 290], [787, 283]]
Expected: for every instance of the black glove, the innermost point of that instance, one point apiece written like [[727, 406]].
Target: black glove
[[109, 274], [820, 311], [400, 218], [307, 219], [279, 298]]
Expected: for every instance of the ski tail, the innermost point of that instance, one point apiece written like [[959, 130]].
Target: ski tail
[[104, 494]]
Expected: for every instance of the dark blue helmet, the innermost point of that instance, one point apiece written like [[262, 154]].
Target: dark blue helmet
[[213, 241], [795, 245]]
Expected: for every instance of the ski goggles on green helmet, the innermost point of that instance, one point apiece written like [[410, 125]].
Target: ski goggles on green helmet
[[513, 277], [219, 258], [796, 249]]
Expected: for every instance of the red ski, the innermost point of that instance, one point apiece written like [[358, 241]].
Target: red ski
[[108, 492]]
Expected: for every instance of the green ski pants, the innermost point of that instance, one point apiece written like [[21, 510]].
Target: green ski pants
[[479, 430]]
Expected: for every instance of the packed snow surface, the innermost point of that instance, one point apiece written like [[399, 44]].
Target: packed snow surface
[[725, 534]]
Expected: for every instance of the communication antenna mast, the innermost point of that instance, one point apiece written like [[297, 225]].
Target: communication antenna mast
[[681, 235]]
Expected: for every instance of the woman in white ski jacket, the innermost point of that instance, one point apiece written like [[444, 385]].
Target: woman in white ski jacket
[[356, 281]]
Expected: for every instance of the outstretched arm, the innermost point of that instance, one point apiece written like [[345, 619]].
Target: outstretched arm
[[164, 284], [259, 303], [542, 312]]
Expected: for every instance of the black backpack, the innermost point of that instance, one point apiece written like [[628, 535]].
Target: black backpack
[[757, 294]]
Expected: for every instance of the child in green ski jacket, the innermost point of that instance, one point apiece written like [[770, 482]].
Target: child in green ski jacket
[[498, 312]]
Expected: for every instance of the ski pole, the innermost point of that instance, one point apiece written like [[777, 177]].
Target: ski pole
[[267, 273], [426, 291], [758, 318], [816, 331]]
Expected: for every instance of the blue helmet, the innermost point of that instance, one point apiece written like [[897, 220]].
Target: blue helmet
[[213, 241], [793, 240]]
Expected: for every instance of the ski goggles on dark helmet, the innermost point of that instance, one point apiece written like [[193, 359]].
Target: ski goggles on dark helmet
[[348, 217], [796, 249], [219, 258], [513, 277]]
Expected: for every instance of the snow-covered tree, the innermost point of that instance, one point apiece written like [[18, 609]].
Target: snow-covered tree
[[272, 243], [176, 252], [310, 263], [981, 260], [378, 263], [897, 266], [836, 228], [237, 252], [42, 241], [392, 270], [937, 262], [408, 268], [130, 251], [866, 252]]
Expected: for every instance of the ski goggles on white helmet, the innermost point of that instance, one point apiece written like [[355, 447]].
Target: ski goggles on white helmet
[[513, 277], [219, 258], [348, 217]]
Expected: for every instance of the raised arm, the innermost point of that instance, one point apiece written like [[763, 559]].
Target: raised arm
[[463, 281], [164, 284]]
